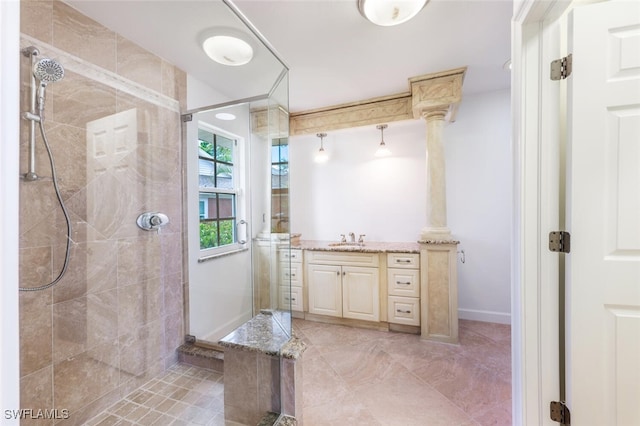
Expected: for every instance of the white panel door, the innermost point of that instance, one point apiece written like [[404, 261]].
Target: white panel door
[[325, 290], [603, 202], [361, 293]]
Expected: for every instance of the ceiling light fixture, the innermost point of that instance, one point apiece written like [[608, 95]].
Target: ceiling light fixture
[[226, 116], [227, 46], [382, 151], [321, 155], [390, 12]]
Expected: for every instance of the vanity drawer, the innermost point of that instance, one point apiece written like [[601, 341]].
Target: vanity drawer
[[294, 255], [321, 257], [295, 273], [404, 282], [291, 296], [403, 260], [404, 310]]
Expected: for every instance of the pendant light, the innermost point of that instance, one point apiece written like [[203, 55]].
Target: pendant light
[[390, 12], [321, 155], [382, 151]]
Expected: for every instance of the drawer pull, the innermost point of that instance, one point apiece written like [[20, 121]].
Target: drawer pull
[[293, 275], [403, 260], [293, 299], [400, 311], [403, 283]]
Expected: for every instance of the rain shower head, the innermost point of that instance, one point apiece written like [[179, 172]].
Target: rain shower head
[[48, 71]]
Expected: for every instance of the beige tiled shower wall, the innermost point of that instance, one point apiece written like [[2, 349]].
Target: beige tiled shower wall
[[116, 318]]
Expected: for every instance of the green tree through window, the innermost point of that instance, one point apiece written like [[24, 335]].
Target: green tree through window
[[218, 190]]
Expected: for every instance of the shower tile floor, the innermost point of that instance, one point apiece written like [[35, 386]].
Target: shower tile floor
[[355, 377], [183, 395]]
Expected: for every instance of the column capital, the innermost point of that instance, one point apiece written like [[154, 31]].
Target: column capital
[[434, 114], [437, 92]]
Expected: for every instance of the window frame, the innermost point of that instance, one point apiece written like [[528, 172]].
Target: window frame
[[238, 191]]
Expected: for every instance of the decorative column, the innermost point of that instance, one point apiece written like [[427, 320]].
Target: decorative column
[[436, 227], [435, 98]]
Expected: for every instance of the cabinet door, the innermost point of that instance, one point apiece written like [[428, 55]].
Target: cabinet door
[[325, 290], [360, 293]]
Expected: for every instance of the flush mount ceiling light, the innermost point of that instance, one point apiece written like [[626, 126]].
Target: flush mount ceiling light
[[227, 46], [321, 155], [226, 116], [382, 151], [390, 12]]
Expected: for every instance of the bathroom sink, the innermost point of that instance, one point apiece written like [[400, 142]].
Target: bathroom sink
[[346, 244]]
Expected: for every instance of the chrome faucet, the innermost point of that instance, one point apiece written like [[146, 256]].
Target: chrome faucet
[[352, 237], [343, 239]]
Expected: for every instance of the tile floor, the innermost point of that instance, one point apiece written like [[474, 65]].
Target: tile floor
[[355, 377], [184, 395], [365, 377]]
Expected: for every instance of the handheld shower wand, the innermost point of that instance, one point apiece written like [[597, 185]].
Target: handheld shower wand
[[44, 71]]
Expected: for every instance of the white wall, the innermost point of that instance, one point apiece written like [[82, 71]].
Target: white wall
[[385, 198], [220, 292], [479, 203], [355, 191], [9, 161]]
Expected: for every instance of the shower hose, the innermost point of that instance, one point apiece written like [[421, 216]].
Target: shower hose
[[54, 178]]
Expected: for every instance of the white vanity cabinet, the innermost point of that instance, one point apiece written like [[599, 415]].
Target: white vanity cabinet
[[291, 295], [344, 284], [403, 280]]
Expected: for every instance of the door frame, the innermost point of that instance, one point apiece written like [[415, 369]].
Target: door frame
[[538, 170], [9, 165]]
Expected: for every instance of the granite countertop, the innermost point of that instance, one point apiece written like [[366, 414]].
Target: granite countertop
[[368, 247], [262, 334]]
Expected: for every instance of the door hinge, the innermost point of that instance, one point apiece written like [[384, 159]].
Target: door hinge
[[561, 68], [560, 412], [560, 241], [187, 117]]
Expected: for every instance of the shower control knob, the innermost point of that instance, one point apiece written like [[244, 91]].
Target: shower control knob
[[151, 221]]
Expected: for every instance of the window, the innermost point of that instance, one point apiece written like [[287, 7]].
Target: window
[[218, 187], [280, 185]]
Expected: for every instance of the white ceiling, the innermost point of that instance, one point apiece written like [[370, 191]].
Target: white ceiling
[[334, 55]]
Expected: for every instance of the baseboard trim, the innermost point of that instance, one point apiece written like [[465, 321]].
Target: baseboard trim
[[485, 316]]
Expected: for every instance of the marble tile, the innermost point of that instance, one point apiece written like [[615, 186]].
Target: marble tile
[[92, 269], [405, 400], [140, 349], [77, 100], [38, 203], [36, 19], [322, 384], [86, 376], [138, 259], [348, 412], [84, 37], [84, 323], [139, 304], [362, 363], [138, 64], [173, 335], [36, 393], [471, 387], [35, 331], [173, 300]]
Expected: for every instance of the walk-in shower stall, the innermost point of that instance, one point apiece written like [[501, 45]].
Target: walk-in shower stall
[[153, 194]]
